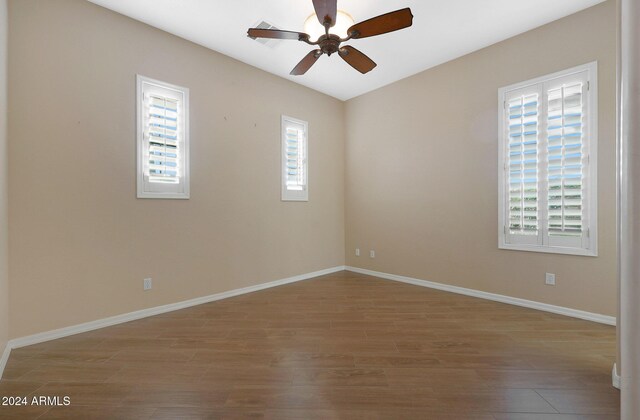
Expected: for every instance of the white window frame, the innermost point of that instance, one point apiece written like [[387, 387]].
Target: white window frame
[[589, 246], [145, 188], [289, 194]]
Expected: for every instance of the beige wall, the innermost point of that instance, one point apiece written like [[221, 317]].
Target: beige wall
[[81, 243], [4, 222], [421, 151]]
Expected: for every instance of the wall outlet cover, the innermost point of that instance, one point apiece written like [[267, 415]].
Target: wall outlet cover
[[550, 279]]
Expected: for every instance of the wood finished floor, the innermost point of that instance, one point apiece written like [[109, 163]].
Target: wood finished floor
[[340, 346]]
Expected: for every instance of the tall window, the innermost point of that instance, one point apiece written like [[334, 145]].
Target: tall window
[[294, 160], [163, 139], [548, 163]]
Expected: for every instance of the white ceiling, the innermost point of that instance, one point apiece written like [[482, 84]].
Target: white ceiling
[[442, 30]]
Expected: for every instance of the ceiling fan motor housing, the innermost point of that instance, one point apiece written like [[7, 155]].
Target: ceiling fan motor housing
[[329, 43]]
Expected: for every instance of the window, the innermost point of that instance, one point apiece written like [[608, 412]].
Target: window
[[294, 160], [548, 166], [163, 139]]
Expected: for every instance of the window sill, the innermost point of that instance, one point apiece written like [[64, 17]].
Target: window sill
[[164, 196], [550, 250]]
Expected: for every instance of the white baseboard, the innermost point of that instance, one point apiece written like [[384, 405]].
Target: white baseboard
[[575, 313], [144, 313], [615, 378], [5, 358]]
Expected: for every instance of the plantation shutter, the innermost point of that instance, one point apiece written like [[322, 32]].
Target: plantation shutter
[[294, 160], [568, 160], [162, 137], [522, 166]]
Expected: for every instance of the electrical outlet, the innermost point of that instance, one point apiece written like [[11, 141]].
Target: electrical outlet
[[148, 284], [372, 254], [357, 252], [550, 279]]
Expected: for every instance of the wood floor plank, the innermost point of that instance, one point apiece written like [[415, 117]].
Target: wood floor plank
[[535, 416], [20, 413], [314, 360], [545, 379], [175, 395], [157, 373], [341, 346], [101, 413], [88, 393], [582, 401], [76, 372], [412, 377], [340, 377]]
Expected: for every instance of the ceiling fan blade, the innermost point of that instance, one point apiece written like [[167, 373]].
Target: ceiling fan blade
[[326, 11], [382, 24], [357, 59], [305, 64], [276, 34]]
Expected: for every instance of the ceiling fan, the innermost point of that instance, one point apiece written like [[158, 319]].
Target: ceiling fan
[[326, 11]]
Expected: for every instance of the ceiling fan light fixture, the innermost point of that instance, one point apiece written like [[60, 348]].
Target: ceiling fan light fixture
[[343, 22], [328, 33]]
